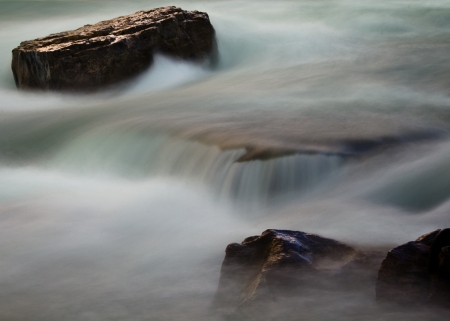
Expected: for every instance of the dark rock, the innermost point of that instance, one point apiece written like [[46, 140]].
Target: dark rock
[[403, 276], [259, 153], [111, 51], [440, 281], [417, 273], [281, 263]]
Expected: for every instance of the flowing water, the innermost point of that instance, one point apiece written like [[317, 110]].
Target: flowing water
[[119, 205]]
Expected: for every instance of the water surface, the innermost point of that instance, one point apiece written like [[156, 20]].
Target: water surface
[[119, 205]]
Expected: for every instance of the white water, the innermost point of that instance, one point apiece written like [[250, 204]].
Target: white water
[[118, 206]]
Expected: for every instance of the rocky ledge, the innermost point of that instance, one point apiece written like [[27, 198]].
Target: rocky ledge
[[111, 51]]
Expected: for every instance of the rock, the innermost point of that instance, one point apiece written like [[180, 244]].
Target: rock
[[111, 51], [417, 273], [440, 281], [280, 263]]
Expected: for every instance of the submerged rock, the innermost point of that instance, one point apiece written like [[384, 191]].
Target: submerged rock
[[417, 273], [111, 51], [281, 263]]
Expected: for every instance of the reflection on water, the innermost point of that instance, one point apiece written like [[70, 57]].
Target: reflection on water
[[119, 205]]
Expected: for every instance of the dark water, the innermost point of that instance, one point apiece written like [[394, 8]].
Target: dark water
[[118, 206]]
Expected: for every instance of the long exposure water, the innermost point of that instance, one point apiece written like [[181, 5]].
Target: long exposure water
[[119, 205]]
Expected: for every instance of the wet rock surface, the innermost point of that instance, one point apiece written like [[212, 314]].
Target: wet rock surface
[[417, 273], [281, 264], [111, 51]]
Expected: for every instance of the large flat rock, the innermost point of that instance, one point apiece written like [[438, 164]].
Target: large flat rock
[[111, 51]]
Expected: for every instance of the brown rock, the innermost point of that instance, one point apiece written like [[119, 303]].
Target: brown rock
[[111, 51], [281, 263]]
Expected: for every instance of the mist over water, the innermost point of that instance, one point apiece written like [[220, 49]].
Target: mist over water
[[119, 205]]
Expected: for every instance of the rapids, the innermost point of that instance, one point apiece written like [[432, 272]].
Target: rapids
[[119, 205]]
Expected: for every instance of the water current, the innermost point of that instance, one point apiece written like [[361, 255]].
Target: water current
[[119, 205]]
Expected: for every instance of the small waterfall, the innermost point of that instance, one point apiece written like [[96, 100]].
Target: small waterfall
[[140, 155]]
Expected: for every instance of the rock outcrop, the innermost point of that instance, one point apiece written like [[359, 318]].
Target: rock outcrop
[[417, 273], [282, 263], [111, 51]]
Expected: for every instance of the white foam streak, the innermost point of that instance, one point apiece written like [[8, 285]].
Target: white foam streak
[[101, 236], [140, 155]]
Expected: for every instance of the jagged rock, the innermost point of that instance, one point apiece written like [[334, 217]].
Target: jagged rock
[[111, 51], [417, 273], [280, 263]]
